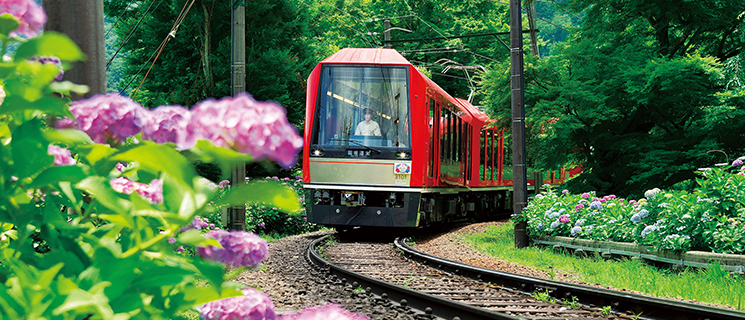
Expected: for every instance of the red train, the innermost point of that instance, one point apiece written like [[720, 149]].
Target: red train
[[387, 147]]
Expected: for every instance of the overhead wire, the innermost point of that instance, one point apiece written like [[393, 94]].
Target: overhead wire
[[119, 17], [171, 33], [131, 31]]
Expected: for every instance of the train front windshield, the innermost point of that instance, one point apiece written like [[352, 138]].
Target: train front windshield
[[362, 110]]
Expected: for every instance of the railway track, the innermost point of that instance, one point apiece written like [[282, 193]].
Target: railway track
[[437, 288]]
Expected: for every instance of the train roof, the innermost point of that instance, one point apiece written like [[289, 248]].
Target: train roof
[[367, 56]]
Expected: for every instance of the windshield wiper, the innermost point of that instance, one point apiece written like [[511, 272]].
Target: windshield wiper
[[359, 144]]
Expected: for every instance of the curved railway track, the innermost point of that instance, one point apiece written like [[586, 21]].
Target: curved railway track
[[436, 288]]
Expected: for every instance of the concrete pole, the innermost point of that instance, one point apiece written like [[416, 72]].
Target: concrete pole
[[519, 174], [82, 21], [238, 85], [387, 33]]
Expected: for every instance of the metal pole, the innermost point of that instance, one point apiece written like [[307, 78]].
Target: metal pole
[[238, 85], [82, 21], [520, 186], [387, 33]]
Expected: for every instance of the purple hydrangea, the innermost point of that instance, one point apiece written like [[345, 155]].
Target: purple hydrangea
[[249, 126], [225, 184], [252, 305], [105, 117], [239, 248], [53, 60], [328, 312], [737, 163], [564, 218], [169, 124], [62, 156], [30, 15], [565, 191], [596, 205]]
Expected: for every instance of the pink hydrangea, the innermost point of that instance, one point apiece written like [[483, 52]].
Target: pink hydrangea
[[564, 218], [153, 191], [584, 195], [253, 305], [62, 156], [328, 312], [579, 207], [30, 15], [239, 248], [248, 126], [169, 124], [105, 117]]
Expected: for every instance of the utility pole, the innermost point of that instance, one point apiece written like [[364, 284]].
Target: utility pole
[[386, 33], [520, 185], [237, 214], [82, 21]]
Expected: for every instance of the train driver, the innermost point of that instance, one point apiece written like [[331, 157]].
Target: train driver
[[367, 127]]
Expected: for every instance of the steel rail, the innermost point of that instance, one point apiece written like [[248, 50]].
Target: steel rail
[[428, 304], [646, 306]]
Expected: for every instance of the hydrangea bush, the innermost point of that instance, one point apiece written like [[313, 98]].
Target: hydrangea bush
[[269, 220], [96, 196], [711, 218]]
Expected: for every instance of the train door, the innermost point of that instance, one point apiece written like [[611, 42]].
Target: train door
[[433, 168]]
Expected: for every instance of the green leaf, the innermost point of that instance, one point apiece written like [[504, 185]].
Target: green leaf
[[52, 105], [104, 194], [94, 153], [225, 158], [30, 154], [53, 175], [67, 136], [8, 23], [159, 158], [271, 193], [196, 238], [66, 87], [50, 44]]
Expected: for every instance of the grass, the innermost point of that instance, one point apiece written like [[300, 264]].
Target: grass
[[711, 285]]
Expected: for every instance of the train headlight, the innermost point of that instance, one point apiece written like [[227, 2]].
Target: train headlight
[[403, 155], [316, 152]]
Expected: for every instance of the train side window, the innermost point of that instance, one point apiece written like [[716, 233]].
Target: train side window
[[443, 133], [432, 133]]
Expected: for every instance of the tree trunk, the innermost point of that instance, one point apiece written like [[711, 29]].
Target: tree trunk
[[209, 80]]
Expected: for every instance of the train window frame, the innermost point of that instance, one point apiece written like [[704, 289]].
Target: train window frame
[[336, 86]]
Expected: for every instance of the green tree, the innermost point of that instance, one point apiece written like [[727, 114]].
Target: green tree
[[193, 62], [631, 95]]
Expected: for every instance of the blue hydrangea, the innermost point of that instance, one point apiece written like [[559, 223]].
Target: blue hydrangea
[[554, 215], [576, 230], [561, 211], [636, 218], [596, 205], [648, 229], [643, 213], [555, 224], [580, 222], [548, 212], [539, 227]]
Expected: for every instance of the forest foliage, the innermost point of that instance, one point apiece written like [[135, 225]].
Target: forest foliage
[[636, 92]]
